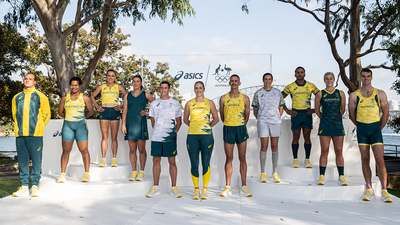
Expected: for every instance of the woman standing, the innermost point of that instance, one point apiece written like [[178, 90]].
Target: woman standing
[[109, 115], [75, 107], [330, 105], [134, 125], [200, 138]]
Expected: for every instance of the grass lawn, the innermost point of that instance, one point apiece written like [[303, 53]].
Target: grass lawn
[[395, 192], [8, 186], [7, 161]]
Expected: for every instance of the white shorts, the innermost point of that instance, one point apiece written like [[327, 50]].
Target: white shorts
[[268, 129]]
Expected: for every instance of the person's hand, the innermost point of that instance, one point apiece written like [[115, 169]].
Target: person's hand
[[143, 113], [117, 108], [123, 130], [99, 109], [310, 111], [292, 113]]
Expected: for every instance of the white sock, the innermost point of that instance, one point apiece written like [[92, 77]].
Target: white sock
[[156, 187]]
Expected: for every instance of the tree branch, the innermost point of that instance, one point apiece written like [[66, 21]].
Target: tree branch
[[78, 25], [59, 11], [303, 9], [384, 67]]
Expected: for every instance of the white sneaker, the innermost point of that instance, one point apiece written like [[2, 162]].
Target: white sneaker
[[153, 192], [114, 162], [342, 180], [21, 191], [140, 176], [204, 194], [34, 191], [307, 163], [62, 178], [385, 196], [245, 191], [133, 176], [196, 194], [226, 192], [369, 195], [321, 180], [263, 178], [103, 162], [295, 162], [175, 193], [276, 178], [86, 177]]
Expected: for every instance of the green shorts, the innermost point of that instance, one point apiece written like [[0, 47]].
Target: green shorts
[[331, 129], [235, 134], [163, 149], [369, 134], [72, 130], [301, 119], [109, 113]]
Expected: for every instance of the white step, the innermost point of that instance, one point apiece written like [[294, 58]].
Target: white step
[[101, 173], [306, 174], [310, 191]]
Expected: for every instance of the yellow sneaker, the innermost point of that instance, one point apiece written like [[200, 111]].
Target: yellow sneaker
[[276, 178], [175, 193], [321, 180], [245, 191], [103, 162], [307, 163], [133, 176], [86, 177], [342, 180], [196, 194], [295, 162], [263, 178], [21, 191], [114, 162], [385, 196], [204, 194], [226, 192], [62, 178], [140, 177], [35, 191]]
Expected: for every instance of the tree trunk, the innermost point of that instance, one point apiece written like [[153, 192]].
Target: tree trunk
[[355, 65]]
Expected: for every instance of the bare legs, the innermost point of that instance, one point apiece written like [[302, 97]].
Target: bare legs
[[141, 146], [338, 146], [242, 159], [83, 148], [380, 163], [104, 125], [157, 170]]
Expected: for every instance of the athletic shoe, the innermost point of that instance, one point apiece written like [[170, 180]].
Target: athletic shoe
[[175, 193], [204, 194], [307, 163], [245, 191], [114, 162], [321, 180], [133, 176], [153, 192], [276, 178], [342, 180], [295, 162], [369, 195], [196, 194], [226, 192], [140, 176], [263, 178], [103, 162], [62, 178], [86, 177], [385, 196], [21, 191], [34, 191]]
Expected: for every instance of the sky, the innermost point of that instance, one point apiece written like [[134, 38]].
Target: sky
[[221, 34]]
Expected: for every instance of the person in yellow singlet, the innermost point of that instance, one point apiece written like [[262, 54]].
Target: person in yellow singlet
[[75, 107], [234, 108], [200, 138], [109, 115], [365, 105]]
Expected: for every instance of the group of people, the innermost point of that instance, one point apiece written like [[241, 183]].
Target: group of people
[[31, 113]]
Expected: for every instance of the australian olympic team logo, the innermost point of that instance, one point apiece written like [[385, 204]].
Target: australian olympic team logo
[[219, 74]]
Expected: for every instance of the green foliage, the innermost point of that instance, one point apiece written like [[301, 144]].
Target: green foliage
[[8, 89]]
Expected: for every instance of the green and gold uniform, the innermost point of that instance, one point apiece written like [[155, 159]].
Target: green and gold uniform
[[368, 120], [235, 130], [136, 124], [200, 139], [331, 117], [109, 96], [75, 126], [31, 113]]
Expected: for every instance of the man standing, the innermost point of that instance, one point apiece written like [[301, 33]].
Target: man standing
[[235, 110], [166, 119], [301, 113], [31, 113], [365, 105]]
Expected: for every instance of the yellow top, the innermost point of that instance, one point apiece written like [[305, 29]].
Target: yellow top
[[74, 110], [301, 94], [234, 111], [31, 113], [200, 117], [368, 109], [109, 96]]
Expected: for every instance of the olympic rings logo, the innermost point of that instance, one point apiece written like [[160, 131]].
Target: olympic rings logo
[[222, 78]]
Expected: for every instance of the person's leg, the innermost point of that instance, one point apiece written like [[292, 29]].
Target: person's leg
[[323, 159], [173, 171], [295, 142], [242, 159], [156, 169], [35, 151], [338, 146], [228, 162], [132, 154], [263, 153], [193, 147], [366, 169], [83, 148], [275, 154], [380, 163], [142, 153], [114, 125], [104, 124], [206, 146], [307, 141], [23, 160], [67, 147]]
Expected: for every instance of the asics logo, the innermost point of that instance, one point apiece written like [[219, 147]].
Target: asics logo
[[174, 152], [320, 132], [39, 148], [209, 146]]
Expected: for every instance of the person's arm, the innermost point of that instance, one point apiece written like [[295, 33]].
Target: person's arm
[[124, 113], [384, 107], [178, 123], [315, 91], [14, 109], [255, 112], [246, 108], [89, 106], [152, 115], [122, 90], [150, 99], [291, 113], [221, 107], [61, 111], [343, 103], [152, 122], [93, 95], [214, 113], [317, 104], [352, 108], [186, 113], [255, 104]]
